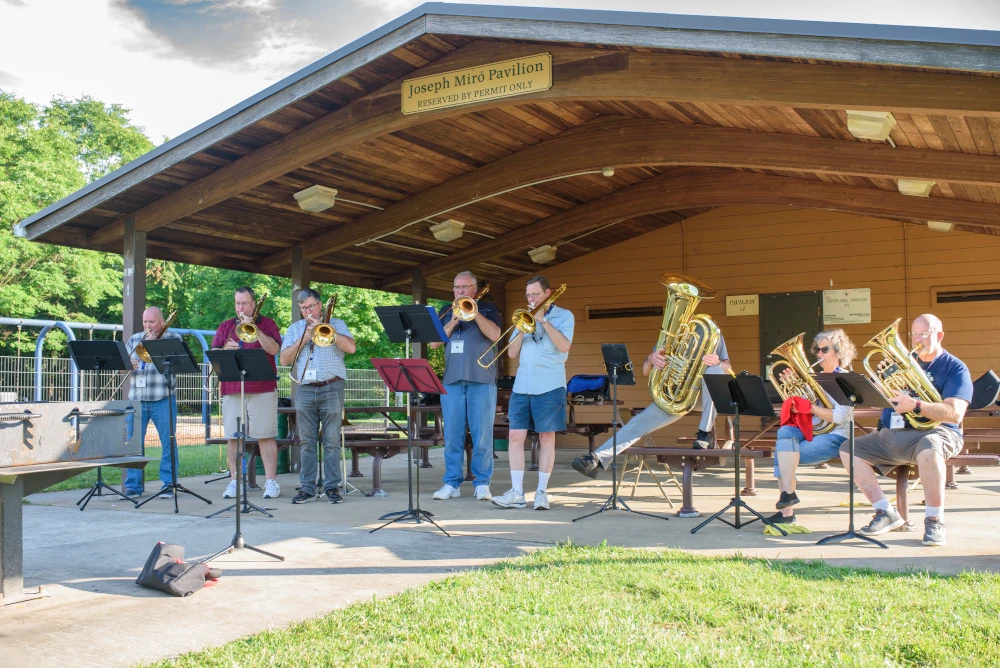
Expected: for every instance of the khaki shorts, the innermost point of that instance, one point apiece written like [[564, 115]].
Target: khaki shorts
[[262, 414], [888, 448]]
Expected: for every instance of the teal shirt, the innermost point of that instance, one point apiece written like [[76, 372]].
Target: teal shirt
[[541, 367]]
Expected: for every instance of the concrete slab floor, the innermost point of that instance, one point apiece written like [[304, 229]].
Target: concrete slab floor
[[96, 615]]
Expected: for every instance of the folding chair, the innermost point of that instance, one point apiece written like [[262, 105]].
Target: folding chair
[[624, 415]]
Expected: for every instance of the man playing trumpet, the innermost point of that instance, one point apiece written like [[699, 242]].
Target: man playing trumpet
[[898, 441], [471, 398], [320, 372], [260, 396]]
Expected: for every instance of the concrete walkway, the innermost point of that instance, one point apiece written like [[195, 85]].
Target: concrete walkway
[[96, 615]]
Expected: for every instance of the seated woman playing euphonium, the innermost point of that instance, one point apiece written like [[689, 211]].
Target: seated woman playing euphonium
[[834, 353]]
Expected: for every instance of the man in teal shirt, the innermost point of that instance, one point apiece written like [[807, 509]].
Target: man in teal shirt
[[538, 401]]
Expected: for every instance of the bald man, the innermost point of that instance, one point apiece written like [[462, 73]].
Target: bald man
[[149, 387], [896, 442]]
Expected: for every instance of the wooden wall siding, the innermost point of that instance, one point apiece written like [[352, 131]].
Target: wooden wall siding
[[761, 250]]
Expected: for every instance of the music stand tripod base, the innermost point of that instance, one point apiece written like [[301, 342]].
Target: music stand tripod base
[[615, 358]]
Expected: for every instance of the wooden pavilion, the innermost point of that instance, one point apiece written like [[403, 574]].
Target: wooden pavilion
[[599, 149]]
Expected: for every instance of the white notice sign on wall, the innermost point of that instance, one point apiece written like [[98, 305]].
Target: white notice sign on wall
[[742, 305], [847, 307]]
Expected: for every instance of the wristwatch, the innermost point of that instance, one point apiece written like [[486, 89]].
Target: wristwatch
[[543, 319], [916, 409]]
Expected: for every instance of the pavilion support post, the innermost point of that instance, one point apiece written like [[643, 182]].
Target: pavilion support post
[[300, 281], [499, 294], [134, 285], [419, 293]]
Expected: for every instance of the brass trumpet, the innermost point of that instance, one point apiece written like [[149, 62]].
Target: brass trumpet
[[140, 350], [323, 335], [803, 385], [466, 308], [524, 321], [902, 373], [248, 332]]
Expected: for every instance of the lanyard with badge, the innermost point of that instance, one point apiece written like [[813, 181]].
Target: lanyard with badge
[[458, 345]]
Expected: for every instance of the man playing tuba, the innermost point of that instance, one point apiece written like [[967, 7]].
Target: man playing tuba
[[260, 396], [901, 440]]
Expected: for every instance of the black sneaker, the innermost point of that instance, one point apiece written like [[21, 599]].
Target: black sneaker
[[778, 518], [702, 441], [883, 522], [587, 466], [933, 531], [303, 497], [786, 500], [333, 496]]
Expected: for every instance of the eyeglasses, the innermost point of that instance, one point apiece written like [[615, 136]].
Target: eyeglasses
[[817, 349], [920, 335], [462, 287], [533, 295]]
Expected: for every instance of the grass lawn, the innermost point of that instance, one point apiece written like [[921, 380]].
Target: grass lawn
[[194, 460], [597, 606]]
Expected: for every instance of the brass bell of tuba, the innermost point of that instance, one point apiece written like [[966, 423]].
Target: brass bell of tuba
[[524, 321], [803, 385], [248, 332], [140, 350], [902, 373], [684, 339]]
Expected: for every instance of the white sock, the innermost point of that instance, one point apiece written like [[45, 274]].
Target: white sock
[[543, 481], [517, 481], [882, 504], [937, 512]]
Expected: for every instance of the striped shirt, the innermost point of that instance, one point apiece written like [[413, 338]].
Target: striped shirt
[[328, 361], [154, 383]]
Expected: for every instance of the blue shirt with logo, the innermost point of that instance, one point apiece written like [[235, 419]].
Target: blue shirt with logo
[[950, 377]]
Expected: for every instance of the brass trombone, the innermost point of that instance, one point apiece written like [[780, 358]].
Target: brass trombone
[[323, 335], [524, 321], [247, 332], [140, 350], [466, 308]]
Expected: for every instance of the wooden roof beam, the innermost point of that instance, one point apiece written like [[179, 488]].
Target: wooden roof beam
[[669, 192], [579, 74]]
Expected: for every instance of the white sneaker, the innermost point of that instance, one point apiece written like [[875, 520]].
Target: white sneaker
[[272, 490], [483, 493], [447, 492], [510, 499], [541, 500], [230, 492]]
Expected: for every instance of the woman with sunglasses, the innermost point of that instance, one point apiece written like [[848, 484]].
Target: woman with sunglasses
[[834, 353]]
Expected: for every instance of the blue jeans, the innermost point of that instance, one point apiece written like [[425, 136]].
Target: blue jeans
[[473, 405], [159, 413], [312, 406], [821, 448]]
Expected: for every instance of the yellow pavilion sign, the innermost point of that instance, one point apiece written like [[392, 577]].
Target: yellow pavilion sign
[[507, 78]]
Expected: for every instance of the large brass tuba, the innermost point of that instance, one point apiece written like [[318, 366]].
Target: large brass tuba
[[248, 332], [140, 350], [522, 320], [803, 385], [902, 373], [684, 339]]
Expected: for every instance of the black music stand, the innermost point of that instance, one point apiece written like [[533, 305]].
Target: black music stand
[[410, 324], [172, 356], [743, 395], [619, 367], [851, 390], [101, 356], [239, 366]]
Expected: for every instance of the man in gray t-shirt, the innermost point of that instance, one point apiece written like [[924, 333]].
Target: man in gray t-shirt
[[471, 391]]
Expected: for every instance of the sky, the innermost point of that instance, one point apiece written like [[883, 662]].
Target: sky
[[177, 63]]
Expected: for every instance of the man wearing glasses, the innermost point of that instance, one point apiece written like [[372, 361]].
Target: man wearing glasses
[[471, 391], [538, 401], [896, 442]]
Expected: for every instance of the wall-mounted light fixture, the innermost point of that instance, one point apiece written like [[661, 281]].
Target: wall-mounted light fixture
[[316, 198], [940, 225]]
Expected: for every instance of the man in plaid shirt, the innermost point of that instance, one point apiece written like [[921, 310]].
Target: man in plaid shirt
[[149, 387]]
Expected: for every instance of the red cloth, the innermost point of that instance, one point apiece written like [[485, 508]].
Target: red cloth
[[225, 332], [801, 419]]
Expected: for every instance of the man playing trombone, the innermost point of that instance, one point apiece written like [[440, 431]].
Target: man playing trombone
[[260, 396], [319, 370], [538, 401], [149, 388], [471, 398]]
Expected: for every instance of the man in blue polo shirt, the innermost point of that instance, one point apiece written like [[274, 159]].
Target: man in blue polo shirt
[[538, 401], [897, 442]]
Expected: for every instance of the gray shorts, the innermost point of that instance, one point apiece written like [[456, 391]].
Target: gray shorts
[[888, 448]]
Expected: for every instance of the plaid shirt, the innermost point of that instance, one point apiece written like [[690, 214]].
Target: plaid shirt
[[156, 383], [328, 361]]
